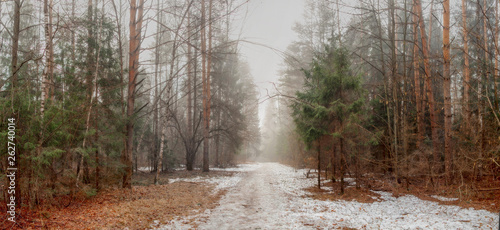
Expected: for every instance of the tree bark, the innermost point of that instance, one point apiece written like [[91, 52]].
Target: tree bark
[[160, 153], [46, 75], [15, 42], [319, 163], [14, 69], [416, 76], [342, 166], [189, 80], [136, 15], [495, 76], [205, 90], [447, 87], [466, 70], [395, 83]]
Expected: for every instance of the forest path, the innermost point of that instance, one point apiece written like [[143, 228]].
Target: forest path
[[255, 203]]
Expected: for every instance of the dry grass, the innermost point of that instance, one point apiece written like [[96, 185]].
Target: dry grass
[[362, 195]]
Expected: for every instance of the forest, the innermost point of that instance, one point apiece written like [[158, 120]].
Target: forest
[[394, 89], [104, 103]]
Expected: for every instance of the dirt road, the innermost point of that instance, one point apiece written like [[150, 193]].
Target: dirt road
[[255, 203]]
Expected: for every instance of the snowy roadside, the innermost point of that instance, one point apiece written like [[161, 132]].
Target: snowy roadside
[[221, 182], [297, 211]]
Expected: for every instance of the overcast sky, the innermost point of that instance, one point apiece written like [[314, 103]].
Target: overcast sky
[[267, 22]]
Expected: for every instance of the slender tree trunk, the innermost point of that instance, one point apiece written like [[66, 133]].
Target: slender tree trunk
[[14, 81], [447, 88], [127, 154], [466, 81], [48, 43], [120, 53], [50, 63], [73, 33], [217, 134], [342, 166], [15, 42], [395, 82], [157, 127], [189, 80], [122, 66], [486, 72], [160, 153], [89, 82], [431, 16], [333, 162], [416, 76], [319, 163], [428, 82], [136, 15], [388, 152], [206, 161], [205, 90], [495, 76], [406, 98], [96, 139]]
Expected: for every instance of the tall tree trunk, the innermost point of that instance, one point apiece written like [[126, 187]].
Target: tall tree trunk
[[189, 79], [428, 82], [395, 83], [447, 87], [157, 127], [431, 16], [73, 34], [50, 63], [14, 68], [120, 53], [88, 82], [136, 16], [483, 85], [209, 75], [416, 76], [384, 73], [206, 98], [466, 81], [47, 6], [495, 76], [15, 42], [406, 97]]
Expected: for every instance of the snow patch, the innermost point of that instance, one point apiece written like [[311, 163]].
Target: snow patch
[[144, 169], [221, 182], [441, 198]]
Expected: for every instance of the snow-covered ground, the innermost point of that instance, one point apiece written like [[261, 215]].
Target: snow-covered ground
[[270, 196], [443, 198], [222, 182]]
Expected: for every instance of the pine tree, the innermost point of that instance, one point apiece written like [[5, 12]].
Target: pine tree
[[329, 104]]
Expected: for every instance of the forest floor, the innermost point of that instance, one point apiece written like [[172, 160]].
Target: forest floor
[[264, 196], [136, 209]]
